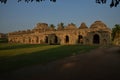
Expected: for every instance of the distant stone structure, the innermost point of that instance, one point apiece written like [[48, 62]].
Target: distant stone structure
[[97, 34], [3, 38], [2, 35]]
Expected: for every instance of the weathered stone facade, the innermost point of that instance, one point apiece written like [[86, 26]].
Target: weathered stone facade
[[2, 35], [117, 39], [98, 33]]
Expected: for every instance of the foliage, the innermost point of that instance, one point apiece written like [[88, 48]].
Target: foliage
[[113, 3], [3, 40], [61, 26], [52, 26], [72, 24], [23, 55], [115, 31], [27, 1]]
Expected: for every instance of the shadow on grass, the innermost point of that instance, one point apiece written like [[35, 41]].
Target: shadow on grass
[[41, 57], [19, 46]]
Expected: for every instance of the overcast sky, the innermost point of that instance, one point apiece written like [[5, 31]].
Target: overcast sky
[[22, 16]]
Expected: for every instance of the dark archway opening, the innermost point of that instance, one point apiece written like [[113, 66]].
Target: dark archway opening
[[96, 39], [37, 39], [46, 39], [80, 39], [29, 40], [23, 40], [67, 39], [56, 40]]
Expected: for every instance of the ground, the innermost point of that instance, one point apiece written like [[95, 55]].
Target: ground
[[99, 64]]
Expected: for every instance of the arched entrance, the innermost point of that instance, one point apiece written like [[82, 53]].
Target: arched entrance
[[23, 40], [96, 39], [80, 39], [56, 40], [37, 39], [29, 40], [46, 39], [66, 39], [53, 39]]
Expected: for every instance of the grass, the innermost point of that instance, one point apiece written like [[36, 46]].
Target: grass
[[15, 56]]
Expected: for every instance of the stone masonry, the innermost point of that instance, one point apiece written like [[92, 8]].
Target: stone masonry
[[98, 33]]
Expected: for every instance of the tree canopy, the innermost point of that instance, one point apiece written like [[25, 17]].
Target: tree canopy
[[52, 26], [115, 31], [114, 3], [5, 1]]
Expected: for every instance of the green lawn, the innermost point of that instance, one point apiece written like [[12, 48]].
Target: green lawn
[[15, 56]]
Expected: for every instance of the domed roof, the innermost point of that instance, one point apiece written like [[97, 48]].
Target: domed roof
[[41, 26], [71, 26], [83, 26], [98, 25]]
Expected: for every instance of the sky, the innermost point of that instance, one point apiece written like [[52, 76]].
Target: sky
[[16, 16]]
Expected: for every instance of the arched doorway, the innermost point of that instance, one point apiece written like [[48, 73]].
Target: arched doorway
[[37, 39], [23, 40], [80, 39], [96, 39], [56, 40], [52, 39], [29, 40], [66, 39], [46, 39]]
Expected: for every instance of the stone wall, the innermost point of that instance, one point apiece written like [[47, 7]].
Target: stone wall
[[117, 39], [98, 33]]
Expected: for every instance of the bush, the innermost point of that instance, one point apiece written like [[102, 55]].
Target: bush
[[3, 40]]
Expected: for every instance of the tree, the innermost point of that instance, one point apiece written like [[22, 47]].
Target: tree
[[114, 3], [5, 1], [60, 26], [52, 27], [72, 24], [115, 31]]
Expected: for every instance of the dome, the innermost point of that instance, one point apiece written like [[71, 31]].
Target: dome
[[83, 26], [41, 26], [98, 25], [71, 26]]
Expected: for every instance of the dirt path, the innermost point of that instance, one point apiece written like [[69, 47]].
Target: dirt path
[[99, 64]]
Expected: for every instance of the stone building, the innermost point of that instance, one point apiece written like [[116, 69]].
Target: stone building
[[98, 33], [117, 39], [2, 35]]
